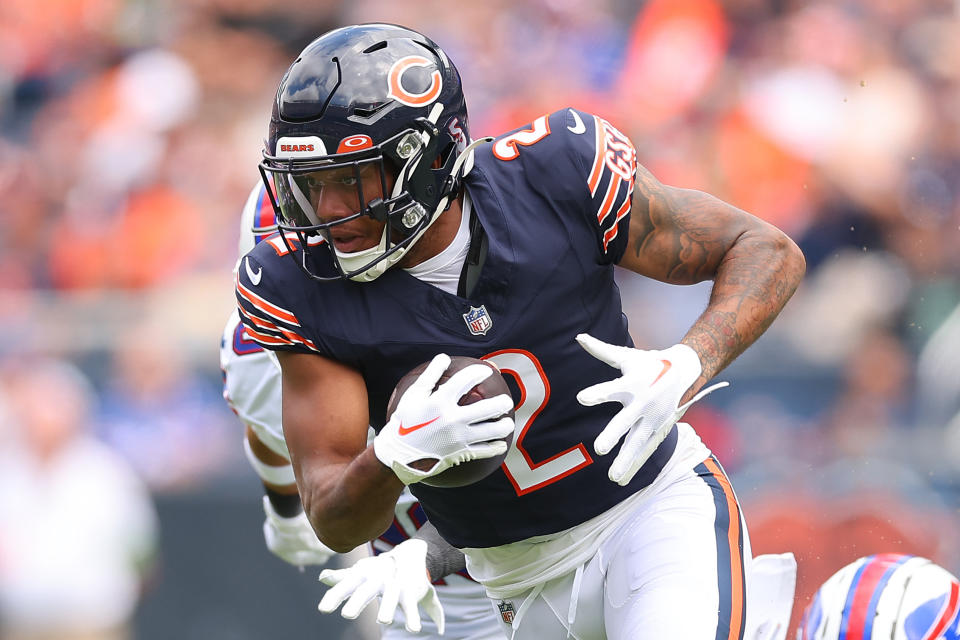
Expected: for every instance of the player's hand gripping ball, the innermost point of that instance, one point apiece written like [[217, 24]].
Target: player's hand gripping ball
[[466, 472]]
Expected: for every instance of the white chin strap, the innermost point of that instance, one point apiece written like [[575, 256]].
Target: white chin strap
[[356, 259]]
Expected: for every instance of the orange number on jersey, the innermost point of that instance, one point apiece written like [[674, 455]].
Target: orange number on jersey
[[506, 148], [280, 246], [524, 474]]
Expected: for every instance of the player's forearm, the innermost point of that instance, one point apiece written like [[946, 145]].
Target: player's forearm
[[753, 282], [351, 503]]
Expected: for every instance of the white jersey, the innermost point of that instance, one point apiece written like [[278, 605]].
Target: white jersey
[[252, 388], [251, 385]]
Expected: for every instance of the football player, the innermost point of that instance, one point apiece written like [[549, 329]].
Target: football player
[[456, 605], [888, 596], [404, 241]]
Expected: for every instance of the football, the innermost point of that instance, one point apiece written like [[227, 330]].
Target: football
[[474, 470]]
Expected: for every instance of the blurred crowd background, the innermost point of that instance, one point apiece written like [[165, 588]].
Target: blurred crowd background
[[130, 131]]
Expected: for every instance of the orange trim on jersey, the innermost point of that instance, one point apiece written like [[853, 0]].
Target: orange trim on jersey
[[267, 307], [598, 159], [518, 441], [733, 539], [612, 190], [279, 245], [260, 324], [279, 242], [265, 339], [611, 233], [292, 336], [505, 148]]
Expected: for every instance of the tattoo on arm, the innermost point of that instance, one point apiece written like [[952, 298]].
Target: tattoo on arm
[[755, 279], [683, 236], [676, 235]]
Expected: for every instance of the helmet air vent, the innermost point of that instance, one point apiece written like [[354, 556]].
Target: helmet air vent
[[433, 52], [366, 113], [376, 47]]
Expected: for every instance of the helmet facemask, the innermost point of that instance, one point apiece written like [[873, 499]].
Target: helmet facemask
[[403, 167], [384, 104]]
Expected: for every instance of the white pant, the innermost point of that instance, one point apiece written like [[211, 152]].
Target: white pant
[[674, 569]]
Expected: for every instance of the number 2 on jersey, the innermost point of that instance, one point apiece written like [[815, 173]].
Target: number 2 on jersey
[[524, 474], [506, 147]]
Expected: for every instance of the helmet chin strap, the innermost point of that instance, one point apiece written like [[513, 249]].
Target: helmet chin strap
[[356, 259]]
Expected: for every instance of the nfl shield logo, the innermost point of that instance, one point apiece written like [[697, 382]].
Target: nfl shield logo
[[478, 320], [506, 611]]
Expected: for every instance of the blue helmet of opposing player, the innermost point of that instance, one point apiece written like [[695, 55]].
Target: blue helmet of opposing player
[[889, 596], [257, 220], [371, 108]]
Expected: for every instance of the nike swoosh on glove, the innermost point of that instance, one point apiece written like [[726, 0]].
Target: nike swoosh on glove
[[293, 539], [649, 390], [431, 425], [397, 577]]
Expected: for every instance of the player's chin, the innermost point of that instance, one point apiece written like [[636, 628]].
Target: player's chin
[[353, 243]]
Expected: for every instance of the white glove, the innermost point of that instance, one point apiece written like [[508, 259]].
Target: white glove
[[430, 425], [771, 586], [293, 539], [398, 576], [649, 390]]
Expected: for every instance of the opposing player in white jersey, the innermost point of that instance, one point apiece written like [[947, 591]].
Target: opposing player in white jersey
[[456, 605]]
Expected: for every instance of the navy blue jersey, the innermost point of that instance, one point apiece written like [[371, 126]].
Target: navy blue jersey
[[554, 201]]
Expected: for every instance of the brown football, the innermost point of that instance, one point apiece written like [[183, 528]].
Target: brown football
[[474, 470]]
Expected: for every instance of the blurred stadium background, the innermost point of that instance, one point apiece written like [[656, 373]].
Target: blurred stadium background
[[130, 131]]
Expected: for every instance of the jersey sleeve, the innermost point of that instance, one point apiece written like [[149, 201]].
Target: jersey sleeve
[[261, 292], [251, 384], [590, 167], [612, 161]]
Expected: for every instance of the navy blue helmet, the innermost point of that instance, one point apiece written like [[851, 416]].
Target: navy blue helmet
[[365, 104]]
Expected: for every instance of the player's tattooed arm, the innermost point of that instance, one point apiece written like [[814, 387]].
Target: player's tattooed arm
[[682, 236]]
